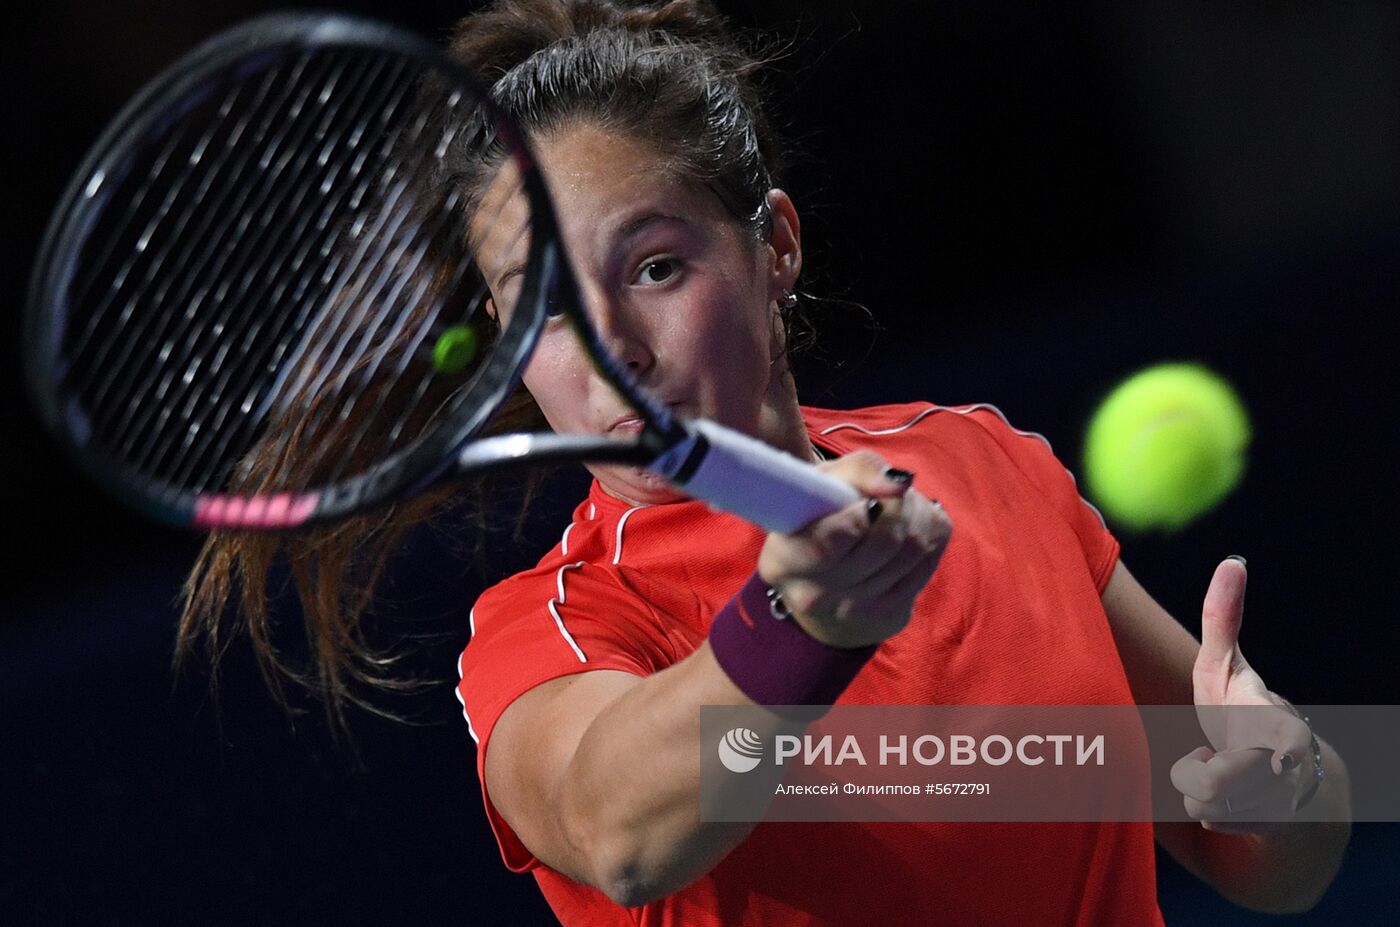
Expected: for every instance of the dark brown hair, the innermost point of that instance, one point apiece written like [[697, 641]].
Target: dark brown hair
[[670, 73]]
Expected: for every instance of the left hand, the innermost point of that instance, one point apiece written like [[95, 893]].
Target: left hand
[[1249, 779]]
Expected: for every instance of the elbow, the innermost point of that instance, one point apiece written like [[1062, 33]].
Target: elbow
[[639, 868], [1293, 902], [630, 890], [614, 861], [632, 877], [636, 859], [1302, 904], [633, 874], [1298, 886], [1299, 896]]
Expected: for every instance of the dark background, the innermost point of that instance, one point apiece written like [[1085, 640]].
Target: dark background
[[1033, 203]]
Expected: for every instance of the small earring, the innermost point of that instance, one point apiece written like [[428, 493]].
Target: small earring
[[789, 300]]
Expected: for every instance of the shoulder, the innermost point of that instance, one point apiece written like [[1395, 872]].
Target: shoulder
[[891, 418], [975, 441], [969, 422]]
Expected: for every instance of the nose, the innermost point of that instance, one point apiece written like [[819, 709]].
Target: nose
[[622, 332]]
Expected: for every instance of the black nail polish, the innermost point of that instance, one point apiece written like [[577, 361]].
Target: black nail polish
[[1243, 562], [873, 508], [1287, 762], [899, 477]]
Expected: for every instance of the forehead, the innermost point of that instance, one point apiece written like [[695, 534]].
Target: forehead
[[586, 159]]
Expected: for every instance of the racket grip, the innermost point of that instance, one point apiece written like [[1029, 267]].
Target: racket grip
[[743, 476]]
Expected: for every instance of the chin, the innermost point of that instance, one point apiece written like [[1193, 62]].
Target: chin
[[636, 484]]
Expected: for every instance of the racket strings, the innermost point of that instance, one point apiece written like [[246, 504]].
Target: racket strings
[[353, 399], [120, 235], [175, 170], [282, 260], [336, 336], [368, 370], [200, 355], [268, 246], [173, 312], [263, 386], [405, 346], [398, 381], [348, 341], [359, 351]]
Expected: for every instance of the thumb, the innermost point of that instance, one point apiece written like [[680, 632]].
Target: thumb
[[1221, 618]]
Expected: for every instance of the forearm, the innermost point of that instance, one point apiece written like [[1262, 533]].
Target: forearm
[[1290, 869], [630, 800], [629, 793]]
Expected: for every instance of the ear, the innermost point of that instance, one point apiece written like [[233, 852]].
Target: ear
[[785, 243]]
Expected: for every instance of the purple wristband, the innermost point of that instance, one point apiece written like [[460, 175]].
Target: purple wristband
[[772, 660]]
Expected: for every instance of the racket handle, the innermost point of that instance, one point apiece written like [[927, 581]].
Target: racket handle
[[742, 475]]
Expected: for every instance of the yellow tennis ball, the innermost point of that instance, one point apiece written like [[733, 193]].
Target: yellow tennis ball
[[1165, 447]]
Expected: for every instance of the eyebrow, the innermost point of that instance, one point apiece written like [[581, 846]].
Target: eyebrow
[[635, 225], [511, 271]]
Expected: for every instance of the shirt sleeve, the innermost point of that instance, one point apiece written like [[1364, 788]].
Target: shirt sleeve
[[540, 626], [1033, 456]]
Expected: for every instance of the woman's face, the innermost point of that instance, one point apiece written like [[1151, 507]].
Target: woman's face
[[677, 288]]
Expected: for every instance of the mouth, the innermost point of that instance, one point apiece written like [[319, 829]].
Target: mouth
[[631, 423]]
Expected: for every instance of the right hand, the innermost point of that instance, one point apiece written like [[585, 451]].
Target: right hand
[[851, 581]]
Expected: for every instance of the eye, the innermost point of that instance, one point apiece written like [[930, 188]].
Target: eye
[[553, 305], [658, 271]]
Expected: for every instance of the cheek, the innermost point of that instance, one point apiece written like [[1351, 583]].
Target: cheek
[[557, 378], [733, 344], [743, 331]]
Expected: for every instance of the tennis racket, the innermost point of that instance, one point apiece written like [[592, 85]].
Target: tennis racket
[[257, 305]]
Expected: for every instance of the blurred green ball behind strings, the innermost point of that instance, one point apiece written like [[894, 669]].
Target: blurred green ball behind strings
[[455, 349]]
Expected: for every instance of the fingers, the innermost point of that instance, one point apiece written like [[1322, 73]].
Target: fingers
[[852, 556], [1279, 730], [856, 573], [1263, 721], [882, 572], [821, 546], [1235, 791], [904, 532], [1207, 780], [870, 474], [848, 546]]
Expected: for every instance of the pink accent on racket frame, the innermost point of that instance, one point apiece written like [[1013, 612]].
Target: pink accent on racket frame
[[280, 511]]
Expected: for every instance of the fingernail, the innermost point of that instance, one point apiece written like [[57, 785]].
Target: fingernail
[[873, 508], [1243, 562], [1287, 762], [899, 477]]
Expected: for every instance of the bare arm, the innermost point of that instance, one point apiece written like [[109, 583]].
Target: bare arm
[[599, 773], [1287, 870]]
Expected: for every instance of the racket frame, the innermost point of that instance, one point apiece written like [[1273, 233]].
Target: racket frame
[[236, 52]]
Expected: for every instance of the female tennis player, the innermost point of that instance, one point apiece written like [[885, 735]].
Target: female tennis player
[[970, 572]]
